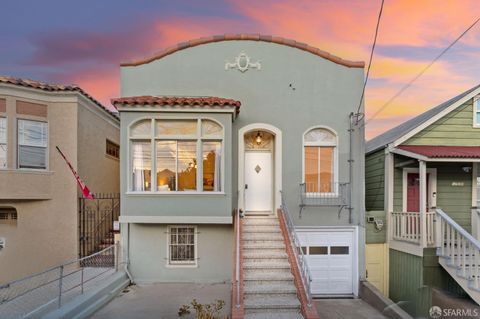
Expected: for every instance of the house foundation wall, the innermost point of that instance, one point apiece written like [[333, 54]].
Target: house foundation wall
[[148, 256]]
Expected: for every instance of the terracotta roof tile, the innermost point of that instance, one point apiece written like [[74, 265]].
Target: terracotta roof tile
[[248, 37], [182, 101], [54, 88]]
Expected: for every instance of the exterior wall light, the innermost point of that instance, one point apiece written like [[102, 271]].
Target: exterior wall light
[[258, 138], [467, 169]]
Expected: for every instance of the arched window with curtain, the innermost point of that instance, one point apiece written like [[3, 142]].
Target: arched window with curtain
[[320, 161]]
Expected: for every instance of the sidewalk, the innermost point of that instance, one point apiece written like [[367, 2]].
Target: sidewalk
[[162, 300]]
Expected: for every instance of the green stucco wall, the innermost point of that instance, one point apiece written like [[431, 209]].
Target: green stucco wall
[[455, 129], [411, 280], [293, 91], [148, 255], [374, 180]]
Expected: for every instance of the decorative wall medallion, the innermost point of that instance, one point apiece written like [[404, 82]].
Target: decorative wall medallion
[[258, 169], [242, 63]]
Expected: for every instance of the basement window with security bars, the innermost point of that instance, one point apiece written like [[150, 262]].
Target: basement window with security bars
[[8, 215], [182, 245]]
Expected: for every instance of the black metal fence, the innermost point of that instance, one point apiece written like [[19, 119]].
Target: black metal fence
[[96, 221]]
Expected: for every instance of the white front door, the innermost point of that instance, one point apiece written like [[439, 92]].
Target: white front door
[[258, 181], [329, 255]]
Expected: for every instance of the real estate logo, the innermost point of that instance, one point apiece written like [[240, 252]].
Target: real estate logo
[[435, 312]]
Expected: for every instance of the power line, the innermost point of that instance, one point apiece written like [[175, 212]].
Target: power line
[[371, 57], [406, 86]]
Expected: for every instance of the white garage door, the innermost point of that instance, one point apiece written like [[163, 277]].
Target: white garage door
[[330, 259]]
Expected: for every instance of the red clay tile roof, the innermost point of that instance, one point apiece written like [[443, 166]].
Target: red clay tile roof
[[443, 151], [209, 101], [54, 88], [248, 37]]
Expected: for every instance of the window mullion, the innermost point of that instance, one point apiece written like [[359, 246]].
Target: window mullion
[[319, 178], [176, 166], [153, 158], [199, 151]]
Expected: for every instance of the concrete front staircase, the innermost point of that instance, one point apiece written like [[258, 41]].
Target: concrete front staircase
[[269, 289]]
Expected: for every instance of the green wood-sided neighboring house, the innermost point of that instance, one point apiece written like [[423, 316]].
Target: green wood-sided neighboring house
[[421, 177]]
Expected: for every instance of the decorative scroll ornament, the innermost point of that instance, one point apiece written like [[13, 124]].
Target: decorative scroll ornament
[[242, 63]]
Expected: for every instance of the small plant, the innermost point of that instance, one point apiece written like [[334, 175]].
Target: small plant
[[203, 311]]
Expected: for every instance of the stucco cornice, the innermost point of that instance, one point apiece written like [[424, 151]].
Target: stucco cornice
[[248, 37]]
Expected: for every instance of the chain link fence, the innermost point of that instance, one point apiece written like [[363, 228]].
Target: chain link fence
[[43, 292]]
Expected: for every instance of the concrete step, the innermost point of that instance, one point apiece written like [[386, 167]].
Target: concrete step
[[262, 236], [261, 221], [267, 264], [261, 229], [258, 254], [265, 277], [263, 245], [283, 288], [274, 315], [268, 303]]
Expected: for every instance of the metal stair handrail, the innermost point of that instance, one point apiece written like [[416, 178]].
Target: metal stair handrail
[[298, 251]]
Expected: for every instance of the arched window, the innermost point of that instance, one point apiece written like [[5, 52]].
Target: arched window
[[320, 156], [186, 155]]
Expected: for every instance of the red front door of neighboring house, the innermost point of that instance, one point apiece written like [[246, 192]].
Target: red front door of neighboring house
[[413, 192]]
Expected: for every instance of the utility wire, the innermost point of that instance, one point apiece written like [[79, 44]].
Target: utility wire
[[371, 57], [406, 86]]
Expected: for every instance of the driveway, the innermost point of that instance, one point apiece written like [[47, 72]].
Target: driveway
[[346, 309], [162, 300]]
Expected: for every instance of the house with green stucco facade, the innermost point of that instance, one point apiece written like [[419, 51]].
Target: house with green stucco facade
[[422, 178], [241, 157]]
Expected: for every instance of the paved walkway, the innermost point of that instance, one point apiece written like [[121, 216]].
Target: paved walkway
[[161, 301], [346, 309]]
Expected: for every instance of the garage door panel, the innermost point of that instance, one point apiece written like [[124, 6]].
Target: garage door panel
[[330, 259]]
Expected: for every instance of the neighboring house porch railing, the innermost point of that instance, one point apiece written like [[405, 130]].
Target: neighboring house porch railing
[[43, 292], [298, 251], [326, 194], [407, 227], [96, 218], [460, 249]]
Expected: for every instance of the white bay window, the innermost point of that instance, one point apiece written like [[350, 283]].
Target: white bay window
[[187, 155]]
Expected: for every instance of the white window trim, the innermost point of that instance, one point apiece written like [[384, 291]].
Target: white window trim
[[476, 109], [335, 156], [432, 186], [180, 264], [47, 148], [6, 143], [153, 138]]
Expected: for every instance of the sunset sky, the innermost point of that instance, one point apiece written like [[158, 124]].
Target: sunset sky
[[83, 42]]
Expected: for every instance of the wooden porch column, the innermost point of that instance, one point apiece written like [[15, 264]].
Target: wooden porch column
[[388, 193], [423, 202]]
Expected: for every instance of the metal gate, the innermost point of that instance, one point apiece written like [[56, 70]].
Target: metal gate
[[96, 221]]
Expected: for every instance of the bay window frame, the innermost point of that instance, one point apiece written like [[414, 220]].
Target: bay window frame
[[154, 138]]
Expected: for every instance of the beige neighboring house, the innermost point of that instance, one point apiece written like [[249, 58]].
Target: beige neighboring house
[[38, 193]]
